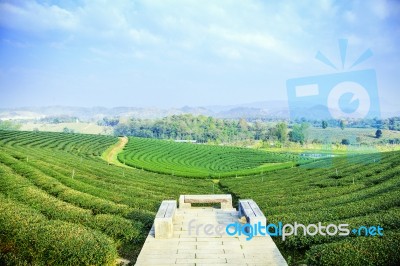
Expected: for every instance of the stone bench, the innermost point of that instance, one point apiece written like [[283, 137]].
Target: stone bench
[[163, 223], [252, 212], [185, 201]]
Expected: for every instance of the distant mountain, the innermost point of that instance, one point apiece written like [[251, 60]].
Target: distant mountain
[[267, 105], [265, 109]]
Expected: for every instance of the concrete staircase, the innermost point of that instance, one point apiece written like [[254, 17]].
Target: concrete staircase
[[199, 238]]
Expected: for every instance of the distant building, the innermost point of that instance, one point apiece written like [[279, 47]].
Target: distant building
[[187, 141]]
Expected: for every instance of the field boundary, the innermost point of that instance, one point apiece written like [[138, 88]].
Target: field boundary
[[111, 154]]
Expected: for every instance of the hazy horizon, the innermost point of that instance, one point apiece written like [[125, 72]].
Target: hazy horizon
[[166, 54]]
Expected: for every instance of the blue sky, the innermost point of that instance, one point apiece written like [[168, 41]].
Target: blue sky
[[173, 53]]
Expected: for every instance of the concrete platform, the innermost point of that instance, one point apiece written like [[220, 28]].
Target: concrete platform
[[188, 247]]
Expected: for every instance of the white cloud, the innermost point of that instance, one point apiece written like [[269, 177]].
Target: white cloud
[[256, 32], [142, 36], [31, 16], [350, 16], [248, 29], [63, 43], [191, 43], [380, 8], [229, 52], [259, 40]]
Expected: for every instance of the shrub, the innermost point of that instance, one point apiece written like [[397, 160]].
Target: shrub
[[117, 227], [378, 133], [358, 251], [27, 237], [345, 142]]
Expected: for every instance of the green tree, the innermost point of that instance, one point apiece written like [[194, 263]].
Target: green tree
[[281, 132], [8, 125], [259, 130], [67, 130], [324, 124], [299, 133], [378, 133], [342, 124], [112, 122], [242, 125], [345, 142]]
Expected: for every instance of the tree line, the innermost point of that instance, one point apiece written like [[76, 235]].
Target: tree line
[[209, 129]]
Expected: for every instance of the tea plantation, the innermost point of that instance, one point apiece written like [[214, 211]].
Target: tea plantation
[[61, 204], [360, 191], [194, 160]]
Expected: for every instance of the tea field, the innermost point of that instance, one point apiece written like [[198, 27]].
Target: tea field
[[363, 190], [198, 160], [61, 204]]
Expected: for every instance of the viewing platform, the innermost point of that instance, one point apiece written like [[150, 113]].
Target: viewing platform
[[196, 235]]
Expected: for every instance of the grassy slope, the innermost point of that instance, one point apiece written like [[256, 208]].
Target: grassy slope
[[353, 190], [61, 177], [80, 127], [194, 160], [366, 135]]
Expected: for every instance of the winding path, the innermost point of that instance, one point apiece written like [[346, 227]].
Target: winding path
[[111, 154]]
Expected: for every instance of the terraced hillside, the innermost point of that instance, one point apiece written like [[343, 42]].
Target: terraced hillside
[[358, 192], [61, 204], [193, 160]]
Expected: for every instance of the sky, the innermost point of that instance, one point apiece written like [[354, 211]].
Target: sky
[[171, 53]]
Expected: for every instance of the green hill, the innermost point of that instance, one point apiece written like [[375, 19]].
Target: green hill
[[199, 160], [354, 190], [60, 203]]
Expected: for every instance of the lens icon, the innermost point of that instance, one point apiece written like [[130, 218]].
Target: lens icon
[[348, 100]]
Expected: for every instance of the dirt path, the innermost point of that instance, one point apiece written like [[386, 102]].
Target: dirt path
[[110, 155]]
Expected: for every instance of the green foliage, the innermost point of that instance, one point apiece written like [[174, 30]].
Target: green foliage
[[111, 205], [188, 127], [28, 237], [299, 133], [392, 123], [61, 204], [282, 132], [111, 122], [194, 160], [8, 125], [345, 142], [58, 119], [68, 130], [202, 129], [358, 251], [206, 129], [242, 125], [378, 133], [354, 192], [342, 124], [84, 145]]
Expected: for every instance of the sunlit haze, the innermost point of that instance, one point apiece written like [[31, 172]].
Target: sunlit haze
[[177, 53]]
